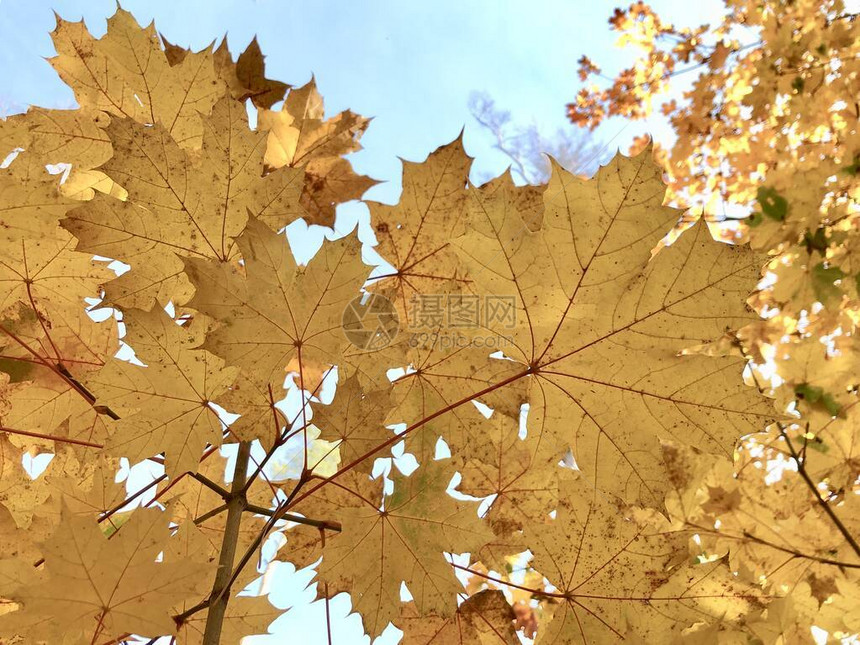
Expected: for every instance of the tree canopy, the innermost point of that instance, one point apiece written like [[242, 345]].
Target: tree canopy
[[618, 426]]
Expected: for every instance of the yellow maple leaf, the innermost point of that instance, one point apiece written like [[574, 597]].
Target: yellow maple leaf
[[300, 137], [415, 234], [615, 577], [181, 204], [607, 380], [355, 420], [485, 618], [126, 73], [277, 311], [164, 405], [405, 541], [95, 589]]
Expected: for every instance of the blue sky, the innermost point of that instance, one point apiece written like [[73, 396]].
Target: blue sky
[[410, 65]]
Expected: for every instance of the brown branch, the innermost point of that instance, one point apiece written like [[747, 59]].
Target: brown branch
[[281, 439], [536, 592], [212, 513], [221, 587], [746, 535], [801, 466], [296, 519], [64, 374], [277, 514], [327, 614], [40, 435], [800, 554], [801, 470], [399, 436], [180, 619], [128, 500], [101, 409], [203, 479]]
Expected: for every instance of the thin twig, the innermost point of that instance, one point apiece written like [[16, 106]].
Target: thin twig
[[220, 491], [180, 619], [50, 437], [296, 519], [536, 592], [131, 498], [801, 470], [801, 466], [792, 552], [212, 513], [409, 429]]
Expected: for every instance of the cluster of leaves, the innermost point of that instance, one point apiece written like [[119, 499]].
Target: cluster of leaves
[[767, 145], [594, 445]]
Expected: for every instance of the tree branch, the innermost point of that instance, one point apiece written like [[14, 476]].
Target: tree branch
[[536, 592], [50, 437], [221, 588], [212, 513], [203, 479], [746, 535], [297, 519], [180, 619], [801, 470], [801, 466], [128, 500], [409, 429], [277, 514]]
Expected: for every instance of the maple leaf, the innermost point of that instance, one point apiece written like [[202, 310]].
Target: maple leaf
[[126, 73], [19, 553], [774, 544], [30, 204], [789, 616], [598, 373], [20, 494], [485, 618], [842, 613], [438, 380], [515, 473], [97, 589], [615, 576], [415, 234], [299, 137], [48, 275], [81, 487], [405, 541], [64, 136], [277, 311], [165, 405], [247, 78], [440, 377], [48, 342], [305, 542], [181, 204], [355, 420], [598, 419], [832, 448]]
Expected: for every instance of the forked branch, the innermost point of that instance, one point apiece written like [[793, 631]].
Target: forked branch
[[221, 587]]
